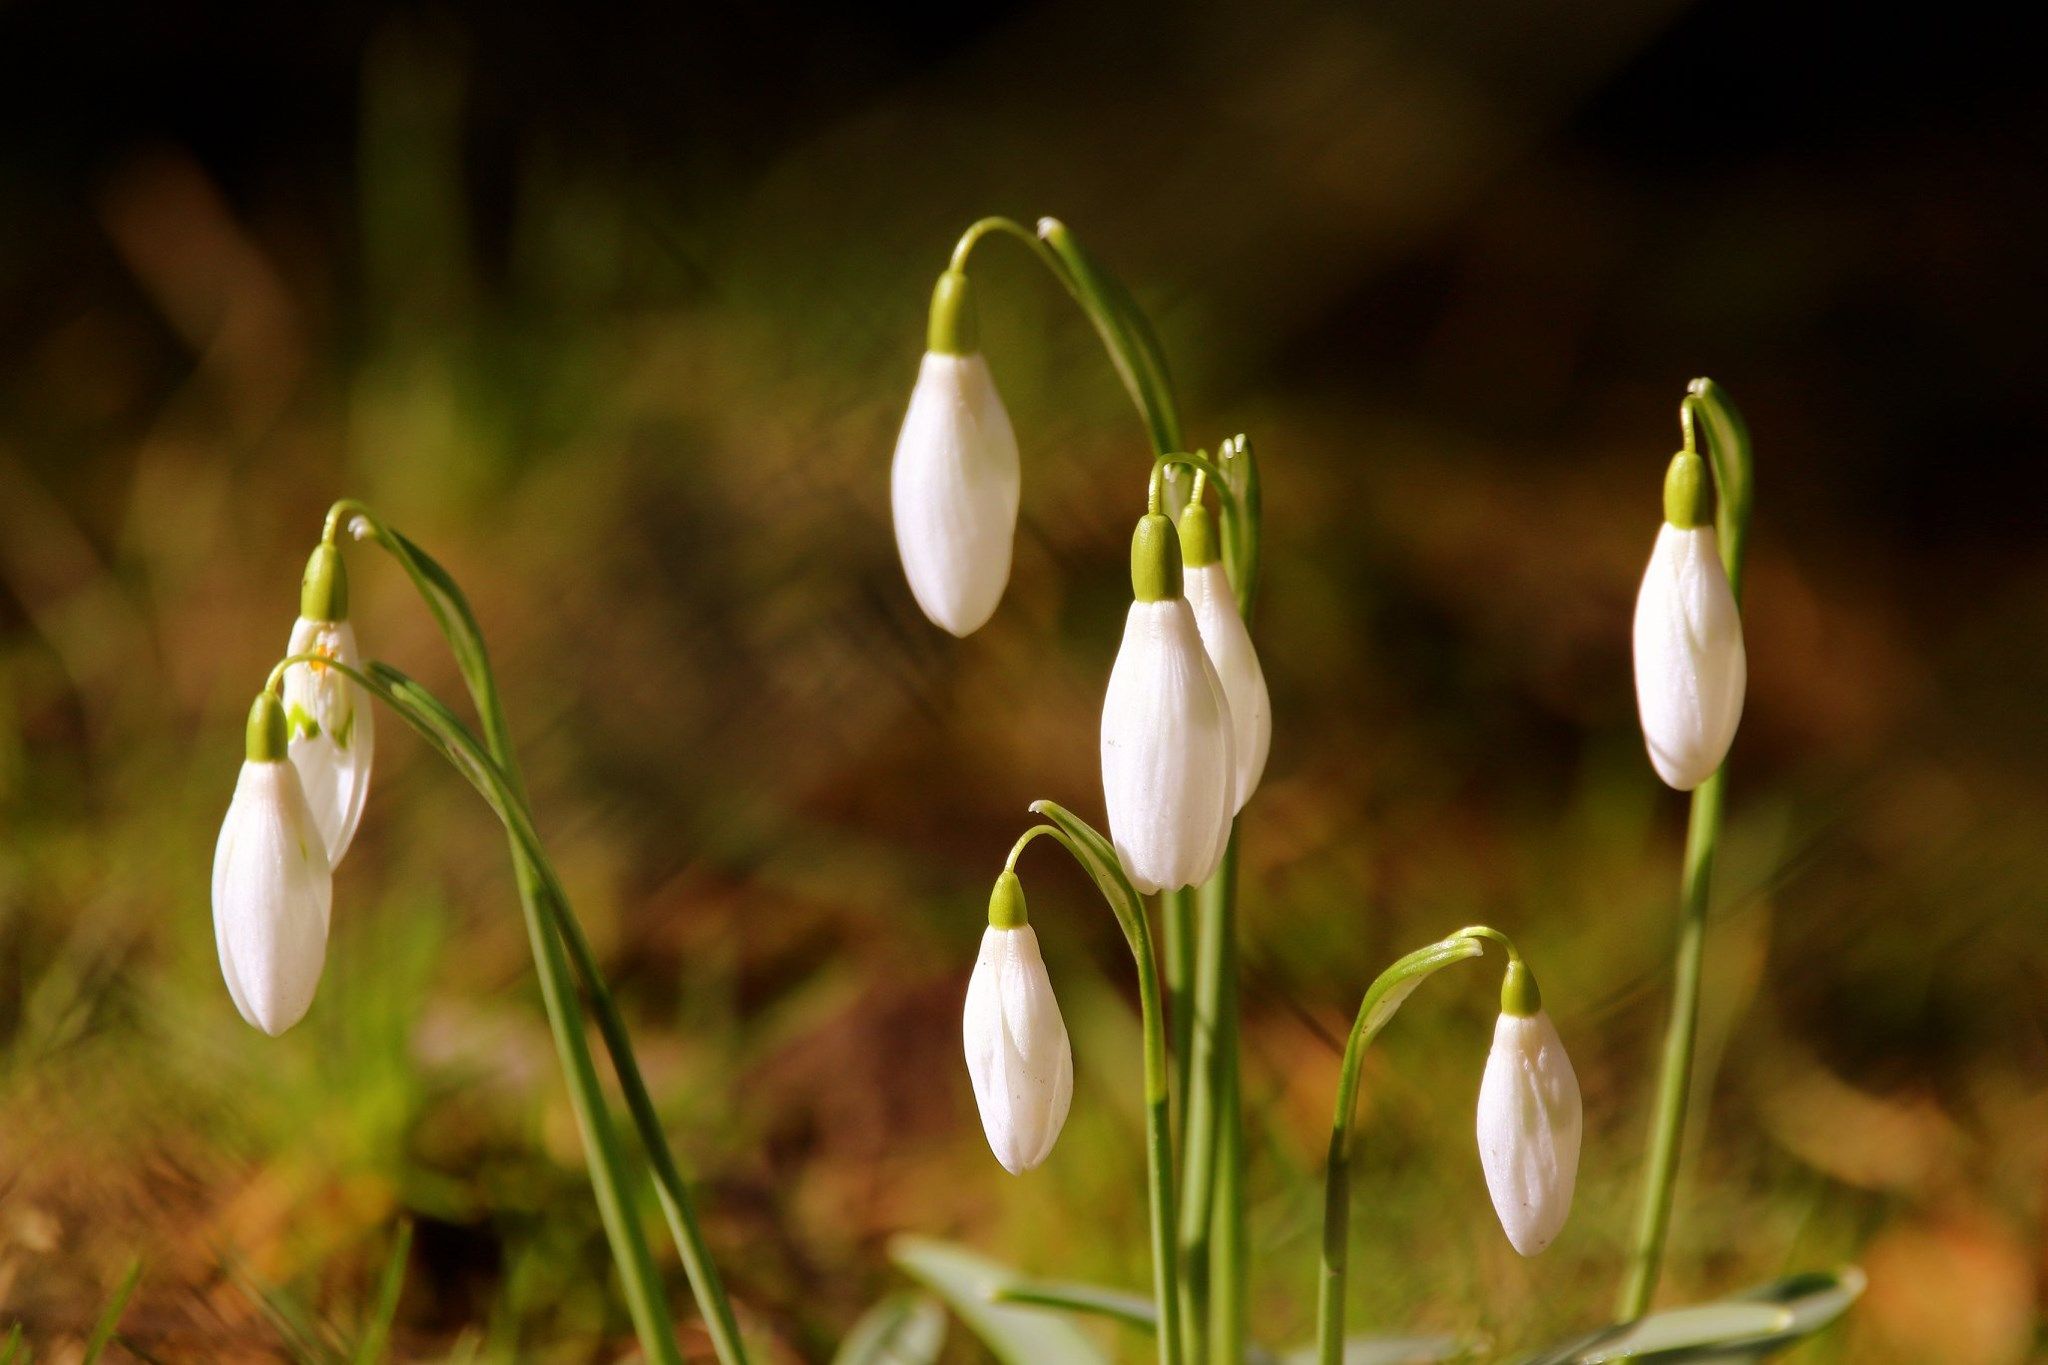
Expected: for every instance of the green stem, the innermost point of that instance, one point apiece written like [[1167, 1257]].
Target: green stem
[[1674, 1079], [1382, 1000], [1100, 861], [452, 612], [645, 1300], [1213, 1052], [1706, 411], [1133, 351]]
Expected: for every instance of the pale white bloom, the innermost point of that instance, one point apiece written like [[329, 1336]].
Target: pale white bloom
[[1017, 1050], [1530, 1121], [1169, 772], [332, 731], [954, 487], [1229, 646], [272, 892], [1691, 670]]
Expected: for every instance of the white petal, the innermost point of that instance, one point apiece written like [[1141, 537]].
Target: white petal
[[272, 892], [1018, 1055], [954, 488], [333, 732], [1530, 1122], [1168, 771], [1229, 646], [1691, 670]]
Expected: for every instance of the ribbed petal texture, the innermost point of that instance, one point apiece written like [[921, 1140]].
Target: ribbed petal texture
[[1169, 773], [1017, 1050], [333, 734], [1530, 1121], [271, 895], [954, 488], [1229, 647], [1691, 670]]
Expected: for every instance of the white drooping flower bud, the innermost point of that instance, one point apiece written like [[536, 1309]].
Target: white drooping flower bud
[[1530, 1120], [1229, 646], [954, 483], [1169, 773], [272, 889], [1018, 1055], [1691, 670], [333, 734]]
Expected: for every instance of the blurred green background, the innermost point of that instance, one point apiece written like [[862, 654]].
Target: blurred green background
[[615, 310]]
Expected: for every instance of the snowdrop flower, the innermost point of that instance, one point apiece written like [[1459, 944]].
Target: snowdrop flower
[[1229, 646], [1530, 1119], [1169, 773], [954, 481], [332, 735], [272, 889], [1017, 1050], [1691, 670]]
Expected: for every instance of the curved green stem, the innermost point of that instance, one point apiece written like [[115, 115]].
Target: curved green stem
[[451, 611], [1099, 860], [645, 1300], [1133, 351], [1705, 409], [1382, 1000]]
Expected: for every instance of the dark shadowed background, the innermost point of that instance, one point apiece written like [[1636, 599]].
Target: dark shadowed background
[[615, 309]]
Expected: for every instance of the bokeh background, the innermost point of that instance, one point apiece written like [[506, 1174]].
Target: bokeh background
[[615, 310]]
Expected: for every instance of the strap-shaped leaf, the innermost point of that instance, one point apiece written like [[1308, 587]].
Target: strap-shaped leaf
[[1750, 1326], [1118, 1305], [969, 1285], [376, 1335], [1390, 1351], [903, 1329]]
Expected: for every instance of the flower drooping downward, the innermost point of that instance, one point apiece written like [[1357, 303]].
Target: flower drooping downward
[[330, 720], [272, 889], [1169, 773], [1691, 670], [1229, 647], [1018, 1055], [1530, 1119], [955, 479]]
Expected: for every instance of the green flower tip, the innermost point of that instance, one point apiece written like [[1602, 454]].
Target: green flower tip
[[953, 329], [1006, 903], [1685, 491], [1155, 559], [323, 592], [266, 734], [1518, 993], [1198, 537]]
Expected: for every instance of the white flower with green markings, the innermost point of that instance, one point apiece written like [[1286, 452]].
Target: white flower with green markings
[[331, 725], [1018, 1056], [1229, 647], [272, 886], [955, 482], [1169, 768], [1530, 1119], [1691, 668]]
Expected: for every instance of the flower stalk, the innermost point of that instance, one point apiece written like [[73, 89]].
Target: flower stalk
[[553, 931], [1708, 416]]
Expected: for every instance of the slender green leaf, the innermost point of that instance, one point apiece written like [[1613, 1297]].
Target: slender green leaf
[[1389, 1351], [1118, 1305], [903, 1329], [305, 1340], [377, 1331], [10, 1349], [1750, 1326], [110, 1319], [969, 1284]]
